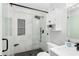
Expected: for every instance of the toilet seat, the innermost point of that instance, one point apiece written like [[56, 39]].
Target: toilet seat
[[43, 54]]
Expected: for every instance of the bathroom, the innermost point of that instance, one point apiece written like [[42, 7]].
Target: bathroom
[[40, 29]]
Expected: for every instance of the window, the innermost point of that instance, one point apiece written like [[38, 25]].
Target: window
[[21, 27]]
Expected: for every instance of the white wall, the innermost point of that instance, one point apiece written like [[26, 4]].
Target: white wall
[[58, 16], [0, 29]]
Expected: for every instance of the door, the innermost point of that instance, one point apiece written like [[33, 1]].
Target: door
[[36, 33]]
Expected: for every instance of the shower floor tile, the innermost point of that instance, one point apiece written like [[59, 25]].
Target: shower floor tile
[[29, 53]]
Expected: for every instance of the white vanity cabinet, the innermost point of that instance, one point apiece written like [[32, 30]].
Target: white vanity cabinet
[[64, 51]]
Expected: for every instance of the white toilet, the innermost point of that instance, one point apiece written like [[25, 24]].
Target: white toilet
[[43, 54]]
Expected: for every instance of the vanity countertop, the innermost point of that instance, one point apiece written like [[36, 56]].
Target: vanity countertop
[[65, 51]]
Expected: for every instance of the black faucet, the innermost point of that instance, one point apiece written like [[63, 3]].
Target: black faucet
[[77, 46]]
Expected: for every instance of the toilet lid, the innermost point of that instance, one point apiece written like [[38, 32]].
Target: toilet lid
[[43, 54]]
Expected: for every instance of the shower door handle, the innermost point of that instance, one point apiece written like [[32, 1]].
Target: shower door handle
[[4, 39]]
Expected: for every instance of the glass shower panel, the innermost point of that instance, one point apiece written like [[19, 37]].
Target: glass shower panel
[[8, 26], [0, 29]]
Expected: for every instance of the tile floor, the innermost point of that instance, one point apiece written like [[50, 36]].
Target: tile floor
[[29, 53]]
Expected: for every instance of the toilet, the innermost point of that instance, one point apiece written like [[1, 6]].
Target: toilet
[[43, 54]]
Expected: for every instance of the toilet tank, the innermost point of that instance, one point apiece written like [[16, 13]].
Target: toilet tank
[[51, 45]]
